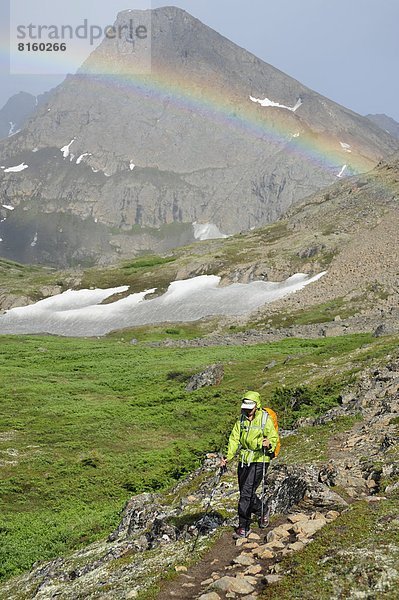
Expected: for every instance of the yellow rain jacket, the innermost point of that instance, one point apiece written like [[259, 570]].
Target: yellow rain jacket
[[247, 436]]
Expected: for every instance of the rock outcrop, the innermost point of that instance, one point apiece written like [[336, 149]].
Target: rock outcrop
[[212, 375]]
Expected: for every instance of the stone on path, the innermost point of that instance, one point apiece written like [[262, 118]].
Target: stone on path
[[276, 544], [210, 596], [241, 542], [180, 569], [253, 570], [251, 546], [332, 515], [244, 559], [263, 552], [207, 581], [309, 528], [237, 585], [280, 532], [272, 578], [297, 517], [296, 546]]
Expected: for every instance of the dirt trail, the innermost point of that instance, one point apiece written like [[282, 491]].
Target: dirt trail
[[218, 562]]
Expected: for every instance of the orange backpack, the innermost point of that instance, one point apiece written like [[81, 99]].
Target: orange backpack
[[266, 413]]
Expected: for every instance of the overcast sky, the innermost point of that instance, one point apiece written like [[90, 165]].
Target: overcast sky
[[346, 50]]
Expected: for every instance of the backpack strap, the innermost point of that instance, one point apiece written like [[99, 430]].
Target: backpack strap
[[265, 416], [242, 418]]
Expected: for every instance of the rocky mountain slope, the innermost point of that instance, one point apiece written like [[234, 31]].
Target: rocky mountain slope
[[349, 230], [333, 491], [117, 163], [16, 112], [386, 123]]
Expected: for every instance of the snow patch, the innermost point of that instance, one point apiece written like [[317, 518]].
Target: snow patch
[[269, 103], [1, 239], [81, 157], [207, 231], [8, 206], [346, 147], [95, 170], [16, 169], [35, 149], [79, 313], [65, 149], [34, 241], [107, 174], [340, 174], [12, 130], [131, 165]]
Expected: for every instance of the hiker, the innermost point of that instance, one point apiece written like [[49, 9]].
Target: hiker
[[256, 448]]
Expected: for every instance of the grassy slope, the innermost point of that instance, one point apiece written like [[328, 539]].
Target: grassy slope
[[87, 423], [25, 279]]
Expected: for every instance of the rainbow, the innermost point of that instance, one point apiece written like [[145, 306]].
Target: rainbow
[[207, 98], [269, 124]]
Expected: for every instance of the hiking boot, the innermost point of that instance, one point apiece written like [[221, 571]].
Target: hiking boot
[[263, 521], [241, 532]]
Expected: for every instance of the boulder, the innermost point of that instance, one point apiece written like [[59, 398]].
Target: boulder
[[212, 375]]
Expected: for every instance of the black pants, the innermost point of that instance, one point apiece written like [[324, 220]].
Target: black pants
[[249, 478]]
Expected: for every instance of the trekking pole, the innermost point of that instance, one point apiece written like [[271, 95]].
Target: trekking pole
[[222, 471], [262, 514]]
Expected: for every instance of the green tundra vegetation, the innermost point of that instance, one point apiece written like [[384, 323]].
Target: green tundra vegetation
[[86, 423]]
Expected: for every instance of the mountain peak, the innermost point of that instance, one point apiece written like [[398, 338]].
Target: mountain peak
[[207, 134]]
